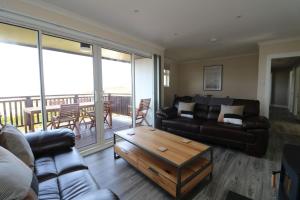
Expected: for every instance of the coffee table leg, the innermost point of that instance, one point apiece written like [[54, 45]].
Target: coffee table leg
[[178, 186], [211, 160], [115, 155]]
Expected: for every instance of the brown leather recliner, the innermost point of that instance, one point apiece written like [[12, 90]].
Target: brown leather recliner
[[252, 136]]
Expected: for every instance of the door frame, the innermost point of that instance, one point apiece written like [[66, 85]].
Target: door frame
[[268, 86]]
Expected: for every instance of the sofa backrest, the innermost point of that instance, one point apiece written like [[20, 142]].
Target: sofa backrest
[[251, 108], [208, 108], [186, 99]]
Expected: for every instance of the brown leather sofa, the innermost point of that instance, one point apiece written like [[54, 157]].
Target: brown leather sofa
[[252, 136], [60, 169]]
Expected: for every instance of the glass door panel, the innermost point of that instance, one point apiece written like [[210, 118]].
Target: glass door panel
[[144, 91], [20, 82], [117, 94], [69, 88]]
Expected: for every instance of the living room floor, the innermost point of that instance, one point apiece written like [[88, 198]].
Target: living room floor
[[233, 170]]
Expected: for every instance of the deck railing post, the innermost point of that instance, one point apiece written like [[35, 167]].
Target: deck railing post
[[28, 103], [76, 99]]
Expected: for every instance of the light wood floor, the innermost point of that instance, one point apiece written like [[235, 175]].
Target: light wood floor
[[233, 170]]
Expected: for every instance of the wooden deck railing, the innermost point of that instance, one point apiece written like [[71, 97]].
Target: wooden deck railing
[[11, 108]]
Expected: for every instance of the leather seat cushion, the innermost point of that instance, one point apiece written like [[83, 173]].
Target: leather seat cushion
[[69, 161], [45, 168], [76, 183], [184, 124], [48, 190], [226, 133], [102, 194]]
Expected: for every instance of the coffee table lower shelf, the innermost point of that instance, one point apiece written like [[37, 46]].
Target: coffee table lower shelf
[[162, 173]]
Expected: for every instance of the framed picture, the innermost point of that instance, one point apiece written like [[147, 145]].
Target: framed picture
[[212, 78]]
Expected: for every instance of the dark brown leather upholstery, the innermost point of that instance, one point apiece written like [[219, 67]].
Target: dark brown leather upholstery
[[60, 169], [251, 137]]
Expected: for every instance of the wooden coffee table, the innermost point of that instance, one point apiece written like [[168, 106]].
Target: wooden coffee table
[[174, 163]]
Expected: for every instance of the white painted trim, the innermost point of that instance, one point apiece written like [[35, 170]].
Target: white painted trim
[[68, 33], [133, 104], [268, 76], [197, 61], [96, 149], [278, 106], [269, 42]]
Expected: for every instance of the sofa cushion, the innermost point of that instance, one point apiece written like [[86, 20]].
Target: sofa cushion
[[226, 132], [69, 161], [75, 184], [201, 111], [45, 168], [15, 176], [184, 124], [251, 107], [13, 140], [226, 109], [49, 190], [184, 106], [213, 112], [103, 194]]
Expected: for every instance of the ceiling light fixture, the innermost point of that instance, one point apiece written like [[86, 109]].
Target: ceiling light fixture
[[213, 39]]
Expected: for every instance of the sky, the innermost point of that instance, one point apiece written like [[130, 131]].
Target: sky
[[64, 73]]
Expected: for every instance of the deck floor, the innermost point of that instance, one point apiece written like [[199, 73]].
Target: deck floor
[[88, 135]]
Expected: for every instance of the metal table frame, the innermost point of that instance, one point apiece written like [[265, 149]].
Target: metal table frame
[[179, 168]]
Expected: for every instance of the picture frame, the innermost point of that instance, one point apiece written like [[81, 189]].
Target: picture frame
[[212, 78]]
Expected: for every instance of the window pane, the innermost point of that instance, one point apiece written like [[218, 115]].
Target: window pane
[[69, 87], [19, 65], [116, 81]]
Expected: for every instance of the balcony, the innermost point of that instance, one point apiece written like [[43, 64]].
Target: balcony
[[12, 112]]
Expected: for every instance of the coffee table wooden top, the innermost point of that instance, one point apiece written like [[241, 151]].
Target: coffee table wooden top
[[178, 153]]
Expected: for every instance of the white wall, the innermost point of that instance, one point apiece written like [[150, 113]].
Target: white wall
[[144, 84], [268, 51]]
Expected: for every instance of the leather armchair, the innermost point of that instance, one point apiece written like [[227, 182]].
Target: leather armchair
[[60, 169]]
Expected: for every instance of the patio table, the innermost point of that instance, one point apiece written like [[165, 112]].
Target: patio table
[[30, 111]]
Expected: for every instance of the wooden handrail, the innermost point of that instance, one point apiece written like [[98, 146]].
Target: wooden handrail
[[11, 108]]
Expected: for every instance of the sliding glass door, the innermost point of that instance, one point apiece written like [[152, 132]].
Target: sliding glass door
[[144, 91], [69, 87], [49, 82], [20, 78], [117, 91]]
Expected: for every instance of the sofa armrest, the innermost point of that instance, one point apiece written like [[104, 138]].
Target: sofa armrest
[[102, 194], [52, 141], [167, 113], [258, 122]]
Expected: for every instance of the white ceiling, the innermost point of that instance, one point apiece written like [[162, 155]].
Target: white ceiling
[[185, 27]]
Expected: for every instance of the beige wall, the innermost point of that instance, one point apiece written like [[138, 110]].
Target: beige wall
[[169, 92], [267, 51], [239, 77]]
